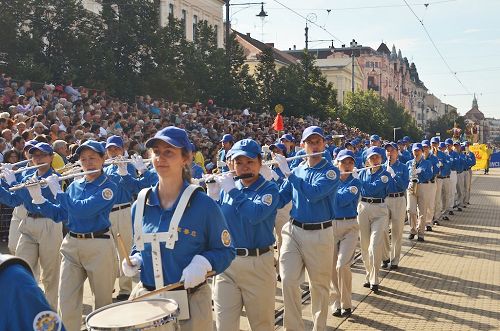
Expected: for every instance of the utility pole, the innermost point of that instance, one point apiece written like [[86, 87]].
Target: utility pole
[[307, 37], [228, 29], [353, 45]]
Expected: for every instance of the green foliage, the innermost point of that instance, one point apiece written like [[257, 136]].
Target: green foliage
[[444, 124]]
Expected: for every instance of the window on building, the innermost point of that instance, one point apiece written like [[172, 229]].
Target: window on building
[[184, 21], [171, 11], [195, 26]]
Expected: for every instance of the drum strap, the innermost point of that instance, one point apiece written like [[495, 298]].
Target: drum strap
[[169, 237], [7, 260]]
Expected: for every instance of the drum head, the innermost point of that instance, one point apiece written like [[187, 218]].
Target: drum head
[[133, 314]]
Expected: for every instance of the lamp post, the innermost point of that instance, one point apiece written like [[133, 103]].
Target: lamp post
[[353, 45], [262, 15], [394, 133]]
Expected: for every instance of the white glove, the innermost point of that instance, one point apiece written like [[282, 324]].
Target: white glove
[[355, 173], [418, 170], [440, 164], [36, 193], [213, 188], [391, 171], [9, 176], [268, 173], [226, 182], [122, 168], [53, 183], [221, 164], [131, 271], [196, 272], [282, 164], [138, 163]]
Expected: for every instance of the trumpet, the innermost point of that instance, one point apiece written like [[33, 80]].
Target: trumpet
[[44, 181], [20, 170]]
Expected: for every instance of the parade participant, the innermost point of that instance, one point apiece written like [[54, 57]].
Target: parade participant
[[197, 240], [375, 141], [23, 304], [396, 203], [441, 159], [417, 196], [373, 214], [428, 155], [227, 142], [311, 187], [249, 205], [444, 175], [454, 159], [470, 162], [121, 223], [345, 235], [87, 250], [460, 164], [40, 238], [289, 142]]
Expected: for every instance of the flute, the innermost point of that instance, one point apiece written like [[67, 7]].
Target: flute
[[18, 171], [44, 181], [208, 179], [15, 164], [288, 159], [123, 160]]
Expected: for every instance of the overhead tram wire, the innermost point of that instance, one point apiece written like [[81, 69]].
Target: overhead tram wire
[[372, 7], [453, 73]]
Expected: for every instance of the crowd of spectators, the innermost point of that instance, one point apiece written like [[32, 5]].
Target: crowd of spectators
[[63, 113]]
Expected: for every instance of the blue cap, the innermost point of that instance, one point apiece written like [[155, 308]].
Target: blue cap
[[280, 146], [400, 142], [416, 146], [246, 147], [103, 144], [114, 141], [287, 137], [356, 141], [345, 153], [374, 150], [406, 139], [367, 142], [435, 140], [391, 144], [226, 138], [442, 145], [93, 145], [171, 135], [374, 137], [456, 143], [42, 147], [449, 141], [309, 131], [30, 143], [426, 143], [337, 150]]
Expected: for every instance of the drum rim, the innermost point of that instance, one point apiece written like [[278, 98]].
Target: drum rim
[[162, 321]]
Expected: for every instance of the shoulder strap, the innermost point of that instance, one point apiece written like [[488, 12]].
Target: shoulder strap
[[139, 213], [7, 260]]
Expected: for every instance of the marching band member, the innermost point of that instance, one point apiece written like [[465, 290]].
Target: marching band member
[[396, 203], [40, 238], [185, 244], [227, 142], [444, 175], [417, 196], [345, 235], [249, 205], [289, 141], [311, 187], [373, 214], [453, 156], [460, 164], [87, 251], [441, 160], [375, 141], [470, 162], [432, 190]]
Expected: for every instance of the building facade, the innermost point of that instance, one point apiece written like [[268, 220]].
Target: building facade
[[478, 123]]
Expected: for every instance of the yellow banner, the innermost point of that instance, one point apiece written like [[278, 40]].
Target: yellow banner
[[481, 153]]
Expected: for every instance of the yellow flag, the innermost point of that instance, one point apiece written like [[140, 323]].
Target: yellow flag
[[481, 153]]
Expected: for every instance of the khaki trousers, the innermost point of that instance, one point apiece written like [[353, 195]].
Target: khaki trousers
[[81, 259], [438, 204], [417, 207], [200, 308], [40, 242], [431, 205], [345, 239], [312, 250], [250, 282], [372, 220], [453, 193], [282, 217], [445, 195], [397, 213], [459, 198], [468, 182], [121, 222], [18, 214]]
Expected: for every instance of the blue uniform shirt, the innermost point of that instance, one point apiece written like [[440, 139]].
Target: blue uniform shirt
[[222, 157], [312, 190], [426, 174], [374, 185], [405, 156], [400, 182], [434, 161], [461, 162], [347, 197], [455, 162], [23, 301], [250, 213], [86, 205], [445, 169], [201, 232], [471, 160], [147, 179], [196, 171], [124, 193]]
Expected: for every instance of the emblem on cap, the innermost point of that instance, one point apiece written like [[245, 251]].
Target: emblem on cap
[[353, 189], [331, 174], [384, 179], [267, 199], [226, 238], [107, 194], [47, 321]]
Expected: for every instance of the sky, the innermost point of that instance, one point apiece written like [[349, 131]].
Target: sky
[[466, 33]]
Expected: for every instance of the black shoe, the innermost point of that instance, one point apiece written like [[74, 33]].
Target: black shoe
[[459, 209], [337, 313], [421, 239], [278, 278], [451, 212], [367, 285], [435, 222], [394, 267], [385, 264], [428, 228], [411, 236], [347, 312], [375, 289], [445, 218], [468, 203], [122, 297]]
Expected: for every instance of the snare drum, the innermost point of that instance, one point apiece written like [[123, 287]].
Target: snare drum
[[148, 314]]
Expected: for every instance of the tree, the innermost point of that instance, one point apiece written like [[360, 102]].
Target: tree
[[444, 124]]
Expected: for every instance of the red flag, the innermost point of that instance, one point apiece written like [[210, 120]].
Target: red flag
[[278, 123]]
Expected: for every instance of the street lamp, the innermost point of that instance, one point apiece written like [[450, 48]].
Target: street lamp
[[262, 15], [394, 133]]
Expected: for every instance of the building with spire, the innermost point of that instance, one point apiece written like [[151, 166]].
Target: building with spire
[[479, 123]]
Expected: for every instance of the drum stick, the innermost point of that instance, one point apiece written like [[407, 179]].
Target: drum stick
[[167, 288], [121, 247]]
